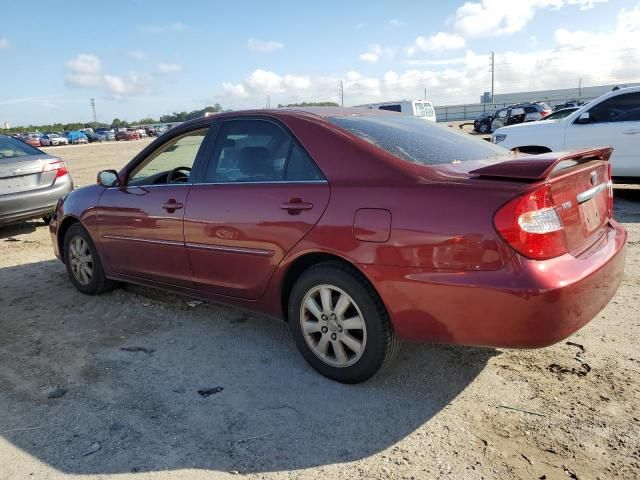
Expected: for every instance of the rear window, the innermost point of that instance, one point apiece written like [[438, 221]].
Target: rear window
[[428, 110], [417, 141], [11, 148], [391, 108]]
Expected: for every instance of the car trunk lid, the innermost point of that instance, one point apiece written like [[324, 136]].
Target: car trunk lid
[[19, 174], [579, 186]]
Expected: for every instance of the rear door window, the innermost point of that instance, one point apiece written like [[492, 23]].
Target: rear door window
[[419, 109], [258, 151]]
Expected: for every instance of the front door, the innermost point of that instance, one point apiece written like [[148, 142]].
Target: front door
[[141, 221], [613, 122], [261, 195]]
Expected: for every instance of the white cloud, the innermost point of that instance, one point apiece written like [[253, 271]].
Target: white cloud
[[500, 17], [4, 43], [394, 22], [175, 27], [169, 68], [235, 90], [264, 46], [376, 53], [439, 41], [85, 70], [138, 55]]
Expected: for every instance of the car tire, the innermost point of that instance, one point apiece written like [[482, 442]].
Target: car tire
[[80, 252], [350, 337], [46, 219], [483, 128]]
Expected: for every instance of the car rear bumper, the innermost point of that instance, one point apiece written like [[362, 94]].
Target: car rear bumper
[[527, 304], [22, 206]]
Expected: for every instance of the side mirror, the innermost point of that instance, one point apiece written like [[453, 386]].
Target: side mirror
[[108, 178], [584, 118]]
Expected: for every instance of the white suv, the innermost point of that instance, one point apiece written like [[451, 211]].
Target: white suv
[[611, 120]]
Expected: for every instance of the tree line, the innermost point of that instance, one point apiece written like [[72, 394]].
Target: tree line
[[170, 118]]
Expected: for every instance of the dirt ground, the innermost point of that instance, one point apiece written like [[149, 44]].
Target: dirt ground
[[94, 387]]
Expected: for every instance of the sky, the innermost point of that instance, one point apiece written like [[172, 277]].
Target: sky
[[138, 58]]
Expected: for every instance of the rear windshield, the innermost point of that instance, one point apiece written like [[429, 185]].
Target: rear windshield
[[417, 141], [11, 148]]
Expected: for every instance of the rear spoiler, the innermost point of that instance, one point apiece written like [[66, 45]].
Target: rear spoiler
[[541, 166]]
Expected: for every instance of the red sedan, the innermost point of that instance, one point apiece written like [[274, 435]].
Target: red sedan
[[359, 227]]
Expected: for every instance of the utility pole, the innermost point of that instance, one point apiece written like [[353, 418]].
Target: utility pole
[[579, 88], [425, 94], [93, 107], [493, 71], [341, 93], [268, 102]]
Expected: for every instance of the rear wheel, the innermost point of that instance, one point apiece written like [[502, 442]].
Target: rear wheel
[[483, 128], [83, 264], [340, 324]]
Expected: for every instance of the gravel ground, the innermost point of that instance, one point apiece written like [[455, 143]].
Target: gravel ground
[[92, 387]]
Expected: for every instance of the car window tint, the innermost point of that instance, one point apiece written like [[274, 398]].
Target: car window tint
[[258, 151], [180, 151], [300, 167], [428, 110], [391, 108], [615, 109], [11, 148], [412, 139], [502, 113], [530, 109]]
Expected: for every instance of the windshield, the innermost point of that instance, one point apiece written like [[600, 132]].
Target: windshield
[[11, 148], [417, 141]]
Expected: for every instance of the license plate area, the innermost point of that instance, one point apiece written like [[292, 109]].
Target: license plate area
[[590, 215]]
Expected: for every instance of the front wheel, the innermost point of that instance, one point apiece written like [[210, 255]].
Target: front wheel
[[83, 264], [484, 128], [340, 324]]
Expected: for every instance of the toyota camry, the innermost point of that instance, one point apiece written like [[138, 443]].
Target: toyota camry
[[360, 228]]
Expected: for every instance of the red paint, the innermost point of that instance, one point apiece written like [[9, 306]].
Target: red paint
[[423, 236]]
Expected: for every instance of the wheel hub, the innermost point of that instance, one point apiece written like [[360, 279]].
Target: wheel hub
[[333, 325]]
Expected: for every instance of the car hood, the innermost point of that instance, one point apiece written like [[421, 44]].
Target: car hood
[[538, 127]]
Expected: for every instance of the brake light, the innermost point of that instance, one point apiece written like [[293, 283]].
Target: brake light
[[530, 224], [609, 191], [544, 113], [58, 165]]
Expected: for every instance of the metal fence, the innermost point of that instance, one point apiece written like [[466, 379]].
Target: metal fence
[[470, 111]]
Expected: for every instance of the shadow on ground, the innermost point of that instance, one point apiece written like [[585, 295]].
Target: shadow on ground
[[139, 409], [626, 204], [10, 231]]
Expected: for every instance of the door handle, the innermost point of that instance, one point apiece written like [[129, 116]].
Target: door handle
[[171, 205], [295, 205]]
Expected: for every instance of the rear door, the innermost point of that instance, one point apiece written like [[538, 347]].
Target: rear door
[[260, 195], [613, 122]]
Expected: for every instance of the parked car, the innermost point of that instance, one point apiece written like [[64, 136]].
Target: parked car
[[31, 182], [558, 114], [109, 133], [127, 135], [612, 119], [359, 227], [53, 139], [417, 108], [142, 132], [482, 124], [76, 137], [95, 137], [32, 139], [520, 113]]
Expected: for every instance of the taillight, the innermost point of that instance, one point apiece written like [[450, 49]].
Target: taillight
[[532, 226], [544, 113], [59, 166], [609, 191]]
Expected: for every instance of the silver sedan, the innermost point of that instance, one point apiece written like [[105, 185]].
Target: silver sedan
[[31, 182]]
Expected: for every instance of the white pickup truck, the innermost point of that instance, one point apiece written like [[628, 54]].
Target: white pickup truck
[[611, 120]]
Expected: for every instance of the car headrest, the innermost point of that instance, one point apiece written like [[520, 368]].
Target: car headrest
[[255, 161]]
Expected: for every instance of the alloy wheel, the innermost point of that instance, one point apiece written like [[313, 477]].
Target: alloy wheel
[[333, 325], [80, 260]]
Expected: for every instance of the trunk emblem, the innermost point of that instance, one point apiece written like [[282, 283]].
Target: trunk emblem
[[594, 177]]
